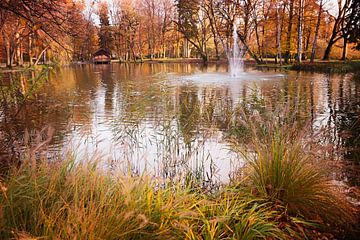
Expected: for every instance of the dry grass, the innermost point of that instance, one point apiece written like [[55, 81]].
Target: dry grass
[[285, 166], [67, 200]]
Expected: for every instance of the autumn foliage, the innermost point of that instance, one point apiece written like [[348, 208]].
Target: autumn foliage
[[133, 30]]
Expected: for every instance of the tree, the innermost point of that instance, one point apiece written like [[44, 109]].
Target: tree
[[289, 31], [320, 11], [150, 10], [51, 17], [300, 30], [278, 32], [34, 26], [337, 28], [133, 29], [192, 22], [354, 26], [209, 7], [105, 33], [166, 16], [266, 8], [127, 21]]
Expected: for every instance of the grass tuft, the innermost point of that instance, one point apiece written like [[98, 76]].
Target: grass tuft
[[283, 166]]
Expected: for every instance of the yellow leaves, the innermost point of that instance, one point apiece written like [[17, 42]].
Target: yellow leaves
[[22, 22], [36, 26]]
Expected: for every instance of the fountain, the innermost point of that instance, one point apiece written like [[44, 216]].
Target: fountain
[[236, 64], [234, 77]]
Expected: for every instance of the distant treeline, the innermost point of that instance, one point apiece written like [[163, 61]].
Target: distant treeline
[[134, 30]]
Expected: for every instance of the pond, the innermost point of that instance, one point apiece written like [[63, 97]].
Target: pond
[[169, 119]]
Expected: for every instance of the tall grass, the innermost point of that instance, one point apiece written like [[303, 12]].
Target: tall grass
[[283, 191], [285, 166], [78, 201]]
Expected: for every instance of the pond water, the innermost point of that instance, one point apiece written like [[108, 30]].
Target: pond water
[[169, 119]]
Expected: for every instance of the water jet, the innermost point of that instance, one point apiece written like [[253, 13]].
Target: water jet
[[236, 63]]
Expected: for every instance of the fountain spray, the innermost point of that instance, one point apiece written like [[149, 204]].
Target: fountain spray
[[235, 57]]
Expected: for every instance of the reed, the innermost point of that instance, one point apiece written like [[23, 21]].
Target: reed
[[67, 200], [286, 166]]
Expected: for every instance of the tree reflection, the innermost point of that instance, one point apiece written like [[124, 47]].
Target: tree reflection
[[348, 126], [145, 112]]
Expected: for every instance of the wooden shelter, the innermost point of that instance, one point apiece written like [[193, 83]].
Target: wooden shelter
[[101, 56]]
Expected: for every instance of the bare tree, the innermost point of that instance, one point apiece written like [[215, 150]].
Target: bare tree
[[338, 21]]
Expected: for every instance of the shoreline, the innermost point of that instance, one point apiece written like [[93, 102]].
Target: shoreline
[[331, 66]]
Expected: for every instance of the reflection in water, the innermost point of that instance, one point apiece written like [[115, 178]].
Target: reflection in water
[[168, 119]]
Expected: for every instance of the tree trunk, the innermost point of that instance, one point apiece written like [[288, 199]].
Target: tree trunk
[[300, 33], [41, 54], [257, 37], [216, 49], [344, 52], [250, 52], [263, 47], [177, 50], [204, 57], [307, 41], [150, 48], [30, 50], [278, 34], [185, 49], [6, 42], [289, 29], [328, 50], [8, 55], [214, 32], [316, 32], [19, 55], [133, 52], [339, 21]]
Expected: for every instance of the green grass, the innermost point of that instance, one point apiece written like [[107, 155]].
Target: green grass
[[329, 66], [317, 66]]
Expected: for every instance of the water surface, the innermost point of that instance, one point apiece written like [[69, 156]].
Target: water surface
[[169, 119]]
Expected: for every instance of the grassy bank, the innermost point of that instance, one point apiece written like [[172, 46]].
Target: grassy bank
[[318, 66], [329, 66], [282, 192]]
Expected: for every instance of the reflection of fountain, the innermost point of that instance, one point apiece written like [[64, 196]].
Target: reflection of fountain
[[235, 55]]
